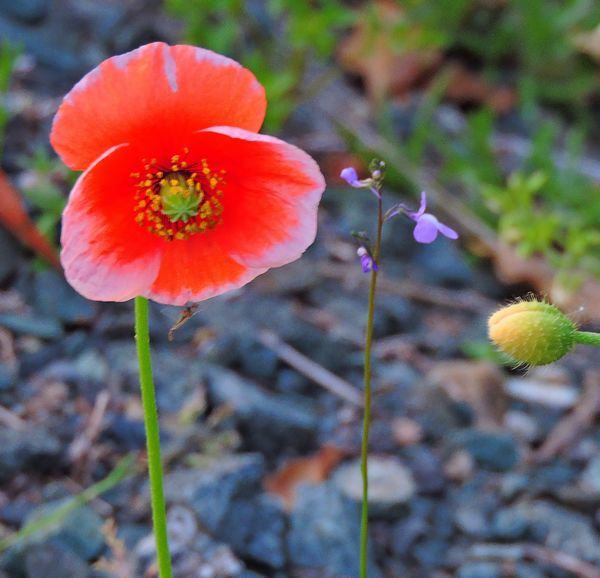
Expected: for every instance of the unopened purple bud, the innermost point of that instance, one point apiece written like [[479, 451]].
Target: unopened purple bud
[[367, 262], [350, 176]]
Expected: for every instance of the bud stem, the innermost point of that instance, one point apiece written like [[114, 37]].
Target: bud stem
[[587, 337]]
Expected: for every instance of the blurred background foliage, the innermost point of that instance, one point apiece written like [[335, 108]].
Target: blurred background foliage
[[529, 64], [523, 75]]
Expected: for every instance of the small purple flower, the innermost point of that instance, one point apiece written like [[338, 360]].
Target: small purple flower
[[427, 225], [367, 262], [351, 177]]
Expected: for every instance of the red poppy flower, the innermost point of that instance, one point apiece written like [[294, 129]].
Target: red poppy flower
[[180, 199]]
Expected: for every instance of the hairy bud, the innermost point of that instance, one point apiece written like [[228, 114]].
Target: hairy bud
[[532, 332]]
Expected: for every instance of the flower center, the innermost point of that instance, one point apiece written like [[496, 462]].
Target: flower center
[[180, 199]]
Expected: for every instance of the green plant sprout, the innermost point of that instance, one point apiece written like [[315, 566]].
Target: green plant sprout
[[8, 57], [42, 189]]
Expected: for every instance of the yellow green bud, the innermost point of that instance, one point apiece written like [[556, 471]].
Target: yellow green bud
[[532, 332]]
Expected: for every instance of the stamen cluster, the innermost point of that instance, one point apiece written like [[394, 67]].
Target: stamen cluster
[[180, 199]]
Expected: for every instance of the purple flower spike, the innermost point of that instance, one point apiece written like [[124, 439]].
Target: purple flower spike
[[350, 176], [367, 262], [427, 225]]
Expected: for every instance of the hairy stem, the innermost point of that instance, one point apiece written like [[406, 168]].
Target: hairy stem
[[587, 337], [159, 516], [364, 455]]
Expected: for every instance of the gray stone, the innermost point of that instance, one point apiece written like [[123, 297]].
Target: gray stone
[[37, 326], [405, 533], [529, 571], [176, 373], [471, 521], [9, 252], [391, 484], [92, 367], [80, 531], [269, 422], [513, 484], [255, 529], [30, 448], [509, 524], [431, 553], [256, 360], [493, 450], [212, 490], [426, 469], [54, 297], [29, 11], [7, 376], [590, 477], [324, 532], [182, 528], [560, 529], [479, 570], [53, 560], [443, 263]]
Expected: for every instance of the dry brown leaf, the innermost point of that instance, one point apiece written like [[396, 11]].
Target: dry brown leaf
[[478, 383], [312, 469], [14, 217], [467, 87], [371, 54], [535, 271]]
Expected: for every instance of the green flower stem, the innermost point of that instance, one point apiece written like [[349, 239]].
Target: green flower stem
[[159, 516], [587, 338], [364, 455]]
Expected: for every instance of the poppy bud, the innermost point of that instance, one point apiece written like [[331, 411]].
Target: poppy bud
[[532, 332]]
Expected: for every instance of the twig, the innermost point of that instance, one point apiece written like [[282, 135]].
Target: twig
[[572, 425], [463, 299], [310, 368], [11, 419], [82, 444], [568, 562], [565, 561]]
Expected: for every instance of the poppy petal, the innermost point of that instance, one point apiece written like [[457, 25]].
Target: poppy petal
[[105, 254], [271, 194], [156, 93], [195, 270]]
